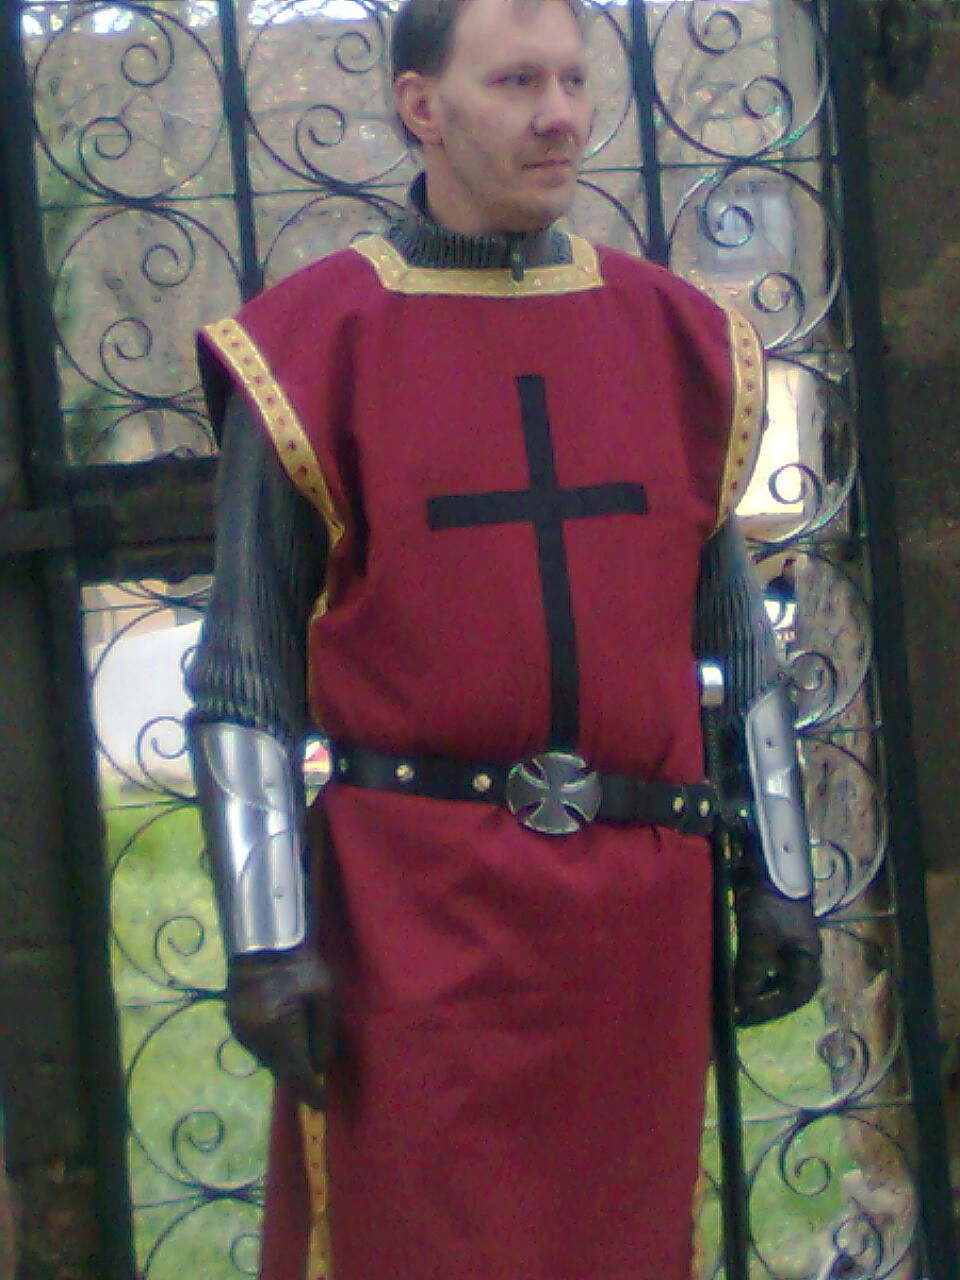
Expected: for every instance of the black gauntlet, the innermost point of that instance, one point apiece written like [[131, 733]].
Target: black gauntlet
[[753, 760]]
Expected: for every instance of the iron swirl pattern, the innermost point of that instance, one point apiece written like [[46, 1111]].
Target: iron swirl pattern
[[197, 1102], [741, 94], [749, 188], [129, 144], [146, 225], [327, 161]]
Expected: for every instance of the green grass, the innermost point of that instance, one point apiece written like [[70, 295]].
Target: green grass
[[796, 1181], [198, 1109]]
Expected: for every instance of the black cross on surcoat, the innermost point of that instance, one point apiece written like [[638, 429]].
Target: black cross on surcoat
[[546, 506]]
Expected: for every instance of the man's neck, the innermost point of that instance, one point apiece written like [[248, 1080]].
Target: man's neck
[[424, 242]]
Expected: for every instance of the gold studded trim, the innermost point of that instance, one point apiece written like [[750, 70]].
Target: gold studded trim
[[749, 396], [320, 606], [697, 1225], [396, 274], [313, 1129], [294, 450]]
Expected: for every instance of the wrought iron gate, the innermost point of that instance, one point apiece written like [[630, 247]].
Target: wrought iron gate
[[186, 151]]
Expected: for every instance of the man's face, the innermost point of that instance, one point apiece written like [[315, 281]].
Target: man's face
[[504, 125]]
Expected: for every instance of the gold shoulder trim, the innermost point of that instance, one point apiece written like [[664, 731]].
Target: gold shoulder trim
[[749, 399], [396, 274], [290, 440]]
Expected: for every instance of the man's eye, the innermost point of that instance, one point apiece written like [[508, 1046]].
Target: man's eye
[[522, 79], [575, 80]]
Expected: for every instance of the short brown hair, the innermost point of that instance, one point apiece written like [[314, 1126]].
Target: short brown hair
[[422, 35]]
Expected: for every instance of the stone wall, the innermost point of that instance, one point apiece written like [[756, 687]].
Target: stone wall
[[915, 163], [44, 1107]]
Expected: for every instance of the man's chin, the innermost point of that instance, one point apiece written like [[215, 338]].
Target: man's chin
[[541, 213], [554, 209]]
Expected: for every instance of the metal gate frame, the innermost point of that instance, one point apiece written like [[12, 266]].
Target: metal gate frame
[[81, 525], [906, 850], [95, 523]]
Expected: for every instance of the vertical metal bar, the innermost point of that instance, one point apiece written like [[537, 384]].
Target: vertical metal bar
[[28, 285], [236, 111], [645, 95], [919, 1016], [734, 1191], [84, 855], [85, 836]]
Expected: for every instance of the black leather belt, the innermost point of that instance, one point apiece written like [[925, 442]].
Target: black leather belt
[[554, 792]]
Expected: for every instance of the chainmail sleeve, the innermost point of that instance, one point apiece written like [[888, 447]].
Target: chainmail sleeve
[[730, 622], [271, 548]]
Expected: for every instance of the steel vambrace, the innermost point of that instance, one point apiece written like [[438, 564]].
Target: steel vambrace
[[252, 810], [777, 792]]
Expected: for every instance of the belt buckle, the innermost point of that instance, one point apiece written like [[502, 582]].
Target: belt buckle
[[554, 793]]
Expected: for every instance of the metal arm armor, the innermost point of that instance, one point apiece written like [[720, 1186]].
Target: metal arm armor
[[252, 810], [777, 792]]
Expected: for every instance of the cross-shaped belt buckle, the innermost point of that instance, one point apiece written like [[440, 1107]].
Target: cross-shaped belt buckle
[[554, 793]]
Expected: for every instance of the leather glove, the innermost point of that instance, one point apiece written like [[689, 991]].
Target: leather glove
[[777, 968], [279, 1005]]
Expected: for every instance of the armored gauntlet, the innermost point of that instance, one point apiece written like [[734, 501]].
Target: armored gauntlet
[[752, 758], [279, 994], [777, 966]]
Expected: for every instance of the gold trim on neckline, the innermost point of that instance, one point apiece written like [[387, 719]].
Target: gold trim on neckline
[[294, 449], [398, 276]]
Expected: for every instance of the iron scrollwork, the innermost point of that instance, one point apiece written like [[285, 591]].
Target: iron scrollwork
[[197, 1101], [749, 174], [129, 145], [135, 122]]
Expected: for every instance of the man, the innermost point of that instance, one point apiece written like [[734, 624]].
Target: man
[[474, 497]]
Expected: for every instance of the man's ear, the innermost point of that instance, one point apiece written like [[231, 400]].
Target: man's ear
[[415, 96]]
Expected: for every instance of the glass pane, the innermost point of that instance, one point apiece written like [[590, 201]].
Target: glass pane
[[610, 204], [198, 1107], [131, 155]]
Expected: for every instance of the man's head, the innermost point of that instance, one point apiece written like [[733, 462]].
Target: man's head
[[494, 91]]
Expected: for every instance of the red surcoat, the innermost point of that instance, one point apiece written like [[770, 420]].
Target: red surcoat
[[519, 1095]]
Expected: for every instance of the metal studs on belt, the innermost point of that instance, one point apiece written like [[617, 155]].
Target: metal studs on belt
[[704, 807], [678, 805], [404, 772], [481, 783]]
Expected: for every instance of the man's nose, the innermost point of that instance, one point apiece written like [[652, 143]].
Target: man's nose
[[555, 110]]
